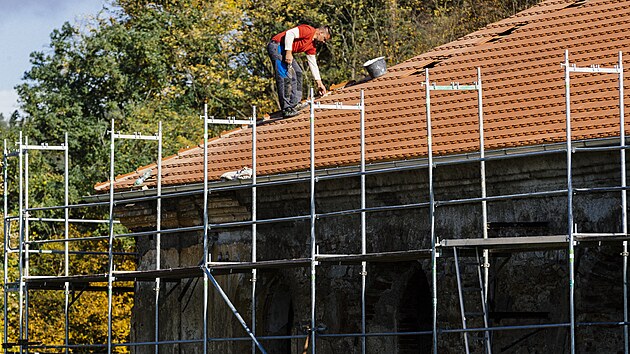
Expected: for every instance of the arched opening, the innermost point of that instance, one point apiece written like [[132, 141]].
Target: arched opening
[[415, 314], [279, 319]]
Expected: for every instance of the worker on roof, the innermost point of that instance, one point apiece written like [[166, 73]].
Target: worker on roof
[[288, 73]]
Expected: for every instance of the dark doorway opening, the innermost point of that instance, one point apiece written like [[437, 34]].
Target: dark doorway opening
[[279, 319], [415, 314]]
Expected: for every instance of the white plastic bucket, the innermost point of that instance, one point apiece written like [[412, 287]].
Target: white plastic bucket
[[376, 67]]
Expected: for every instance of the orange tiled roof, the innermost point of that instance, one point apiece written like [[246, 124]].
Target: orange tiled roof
[[523, 99]]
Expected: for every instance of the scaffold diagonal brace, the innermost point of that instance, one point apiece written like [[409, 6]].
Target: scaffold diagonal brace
[[231, 306]]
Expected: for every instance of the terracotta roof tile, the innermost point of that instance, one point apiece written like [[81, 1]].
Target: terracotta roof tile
[[523, 99]]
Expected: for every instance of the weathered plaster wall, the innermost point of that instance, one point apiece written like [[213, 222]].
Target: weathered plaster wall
[[525, 288]]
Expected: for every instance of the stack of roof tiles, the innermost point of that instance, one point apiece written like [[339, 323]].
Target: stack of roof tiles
[[523, 99]]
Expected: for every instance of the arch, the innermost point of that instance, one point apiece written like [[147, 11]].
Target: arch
[[279, 318], [415, 313]]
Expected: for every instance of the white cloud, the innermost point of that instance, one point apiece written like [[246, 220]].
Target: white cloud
[[8, 102]]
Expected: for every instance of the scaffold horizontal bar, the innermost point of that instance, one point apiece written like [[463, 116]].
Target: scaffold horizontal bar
[[594, 69], [163, 231], [85, 221], [601, 189], [12, 154], [597, 237], [217, 268], [70, 346], [340, 106], [91, 238], [77, 252], [229, 121], [72, 206], [320, 216], [375, 334], [45, 147], [501, 197], [601, 148], [453, 87], [79, 287], [89, 278], [478, 329], [373, 209], [338, 335], [167, 342], [162, 342], [132, 234], [374, 257], [137, 136], [531, 241], [260, 222], [498, 242], [298, 262], [164, 274]]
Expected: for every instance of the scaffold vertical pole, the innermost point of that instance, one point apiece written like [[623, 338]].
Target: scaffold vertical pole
[[26, 243], [254, 231], [6, 229], [363, 224], [110, 249], [158, 238], [66, 227], [624, 200], [484, 211], [431, 212], [205, 228], [312, 218], [21, 239], [571, 249]]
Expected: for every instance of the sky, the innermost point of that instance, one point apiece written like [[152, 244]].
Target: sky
[[25, 27]]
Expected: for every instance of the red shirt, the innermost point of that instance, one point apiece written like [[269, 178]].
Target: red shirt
[[301, 44]]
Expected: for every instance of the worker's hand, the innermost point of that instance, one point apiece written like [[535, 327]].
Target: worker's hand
[[288, 57], [321, 88]]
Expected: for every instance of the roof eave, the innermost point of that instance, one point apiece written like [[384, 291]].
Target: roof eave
[[297, 177]]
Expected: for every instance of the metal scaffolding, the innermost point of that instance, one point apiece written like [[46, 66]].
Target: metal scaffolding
[[110, 273], [455, 86], [571, 227], [209, 269]]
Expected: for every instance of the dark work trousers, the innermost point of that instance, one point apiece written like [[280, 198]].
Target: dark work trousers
[[288, 78]]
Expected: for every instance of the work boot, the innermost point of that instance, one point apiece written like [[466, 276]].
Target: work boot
[[290, 112], [300, 106]]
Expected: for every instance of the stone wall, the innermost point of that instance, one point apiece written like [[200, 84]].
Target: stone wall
[[525, 288]]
